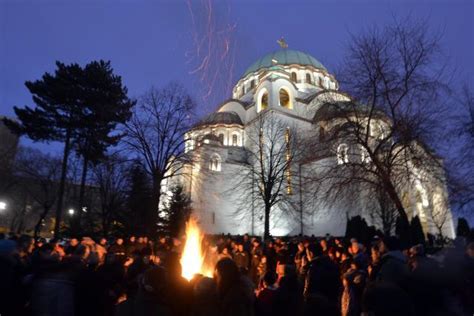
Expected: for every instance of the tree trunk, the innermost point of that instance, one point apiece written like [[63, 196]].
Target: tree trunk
[[38, 225], [62, 183], [266, 230], [82, 190]]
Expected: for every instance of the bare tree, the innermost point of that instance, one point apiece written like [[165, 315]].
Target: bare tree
[[266, 180], [111, 177], [156, 134], [380, 136], [462, 149], [38, 175]]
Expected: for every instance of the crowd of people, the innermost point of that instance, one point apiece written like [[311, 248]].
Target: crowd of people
[[276, 277]]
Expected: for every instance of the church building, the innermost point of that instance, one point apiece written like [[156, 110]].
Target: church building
[[293, 87]]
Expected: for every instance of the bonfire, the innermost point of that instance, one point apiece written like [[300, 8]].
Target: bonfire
[[193, 256]]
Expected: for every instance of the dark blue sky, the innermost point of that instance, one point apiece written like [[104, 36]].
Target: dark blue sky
[[151, 42]]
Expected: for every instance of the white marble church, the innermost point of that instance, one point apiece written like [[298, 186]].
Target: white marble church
[[293, 86]]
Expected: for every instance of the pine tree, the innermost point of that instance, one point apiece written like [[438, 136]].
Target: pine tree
[[108, 105], [139, 202], [68, 103], [177, 211], [403, 231]]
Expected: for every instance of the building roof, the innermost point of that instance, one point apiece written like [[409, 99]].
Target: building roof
[[284, 57], [221, 118]]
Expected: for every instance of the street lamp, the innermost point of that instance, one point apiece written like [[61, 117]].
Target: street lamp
[[3, 206], [71, 211]]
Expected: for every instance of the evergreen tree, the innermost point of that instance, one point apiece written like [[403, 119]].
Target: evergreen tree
[[463, 228], [177, 211], [403, 231], [68, 103], [139, 202], [416, 230], [108, 105], [357, 228]]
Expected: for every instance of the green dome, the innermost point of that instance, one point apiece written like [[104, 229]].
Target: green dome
[[284, 57]]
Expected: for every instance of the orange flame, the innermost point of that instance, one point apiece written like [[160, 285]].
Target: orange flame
[[192, 258]]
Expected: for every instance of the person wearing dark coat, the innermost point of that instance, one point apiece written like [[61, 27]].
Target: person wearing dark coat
[[235, 294], [152, 297], [53, 288], [130, 246], [322, 283], [118, 249], [393, 265], [242, 258], [266, 295], [205, 298]]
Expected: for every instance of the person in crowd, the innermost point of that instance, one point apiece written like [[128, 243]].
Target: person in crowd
[[322, 282], [235, 295], [225, 253], [289, 298], [354, 281], [73, 244], [205, 298], [118, 249], [79, 277], [242, 258], [393, 264], [299, 257], [266, 295], [130, 246]]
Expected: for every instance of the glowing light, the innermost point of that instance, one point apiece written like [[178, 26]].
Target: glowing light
[[192, 259], [71, 211], [3, 206]]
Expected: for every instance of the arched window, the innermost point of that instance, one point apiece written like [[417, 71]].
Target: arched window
[[285, 100], [308, 78], [215, 163], [235, 140], [264, 101], [221, 138], [294, 77], [342, 154], [322, 133], [321, 84], [252, 84]]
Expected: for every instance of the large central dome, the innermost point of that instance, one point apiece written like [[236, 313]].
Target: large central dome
[[284, 57]]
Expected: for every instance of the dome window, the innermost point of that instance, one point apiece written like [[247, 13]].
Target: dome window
[[308, 78], [322, 134], [294, 77], [285, 100], [215, 163], [235, 140], [262, 101], [342, 154], [221, 138], [252, 84], [321, 84]]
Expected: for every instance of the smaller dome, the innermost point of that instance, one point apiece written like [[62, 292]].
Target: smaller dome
[[221, 118]]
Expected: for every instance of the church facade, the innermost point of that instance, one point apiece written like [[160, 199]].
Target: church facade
[[292, 87]]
